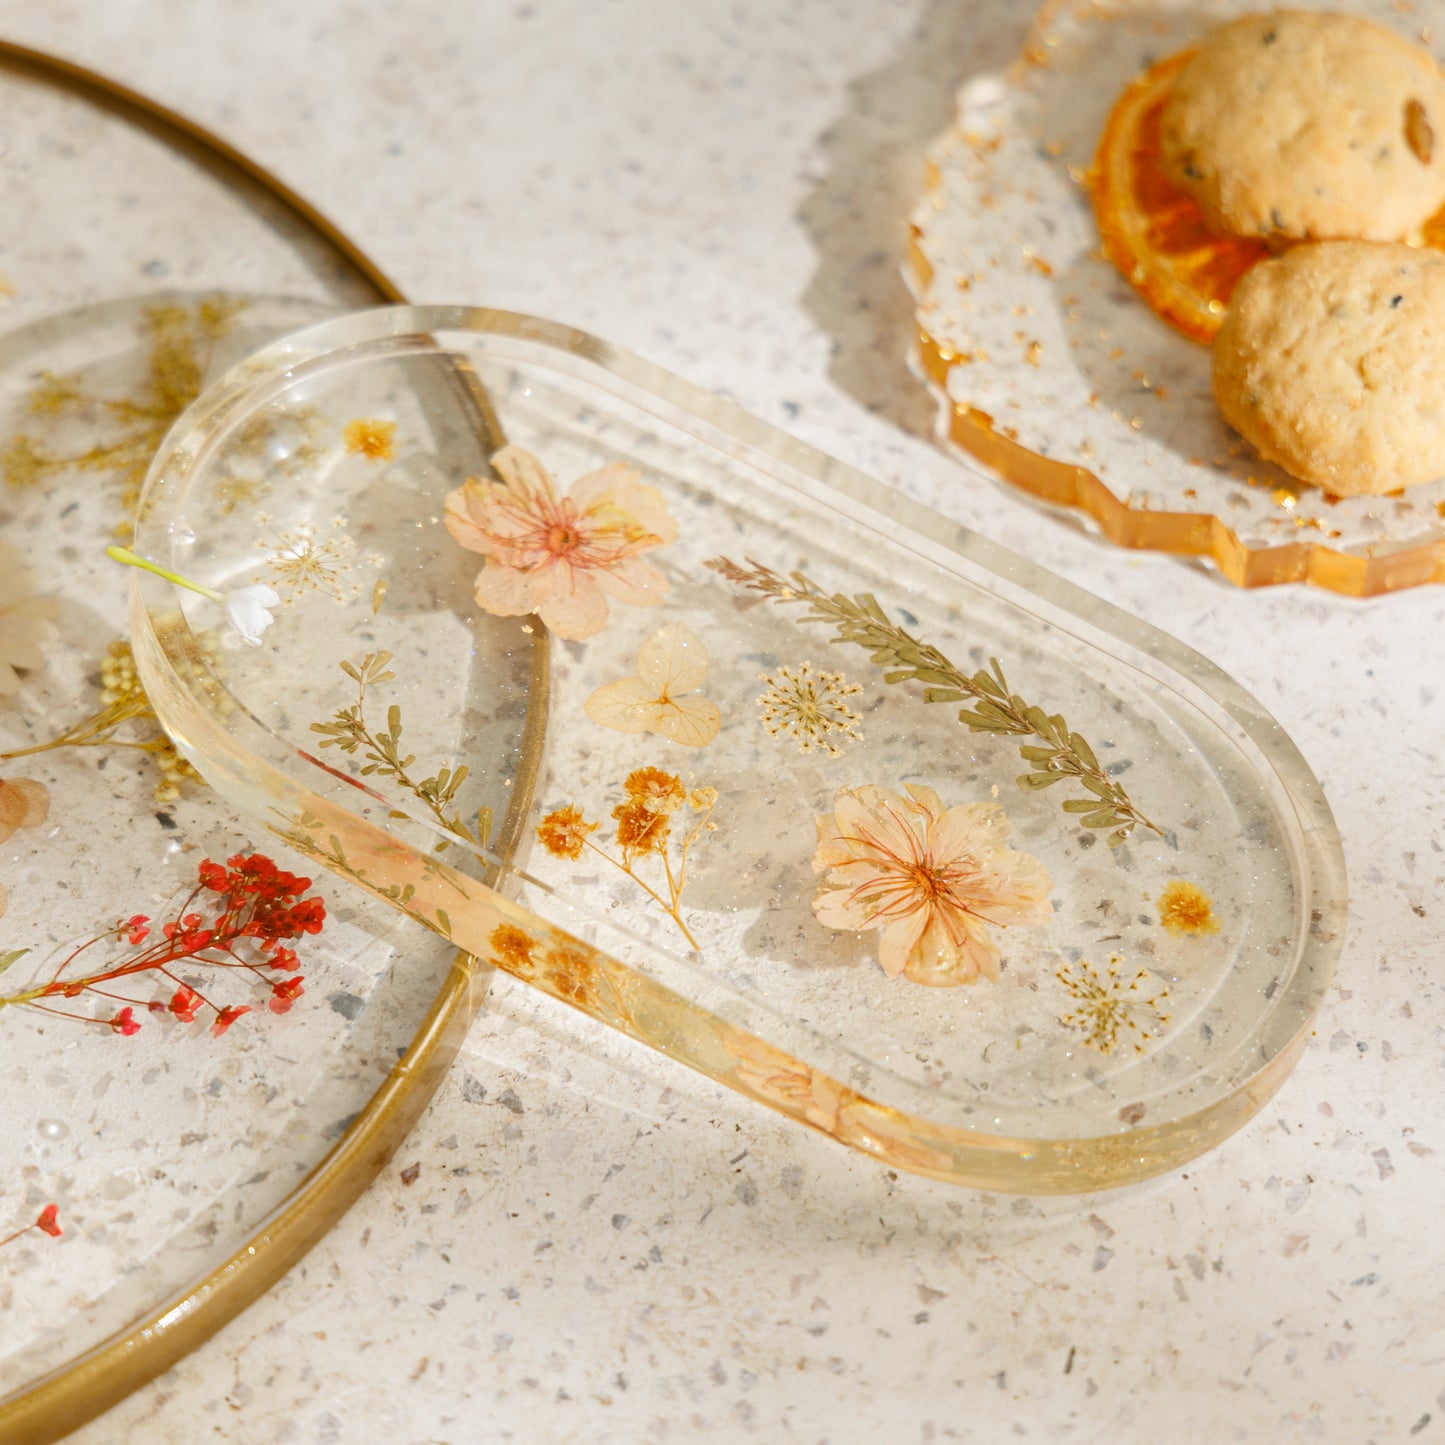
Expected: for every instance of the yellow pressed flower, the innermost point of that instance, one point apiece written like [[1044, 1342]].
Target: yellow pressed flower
[[1186, 908]]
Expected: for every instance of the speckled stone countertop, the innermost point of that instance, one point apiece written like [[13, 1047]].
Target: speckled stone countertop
[[596, 1245]]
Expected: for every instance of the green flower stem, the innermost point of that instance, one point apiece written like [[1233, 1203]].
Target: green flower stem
[[134, 559]]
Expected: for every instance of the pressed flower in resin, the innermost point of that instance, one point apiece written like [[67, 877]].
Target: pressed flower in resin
[[25, 623], [810, 707], [370, 437], [24, 803], [248, 609], [1112, 1008], [644, 818], [671, 664], [1185, 908], [937, 881], [561, 556], [47, 1222]]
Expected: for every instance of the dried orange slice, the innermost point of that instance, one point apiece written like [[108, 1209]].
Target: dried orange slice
[[1152, 231]]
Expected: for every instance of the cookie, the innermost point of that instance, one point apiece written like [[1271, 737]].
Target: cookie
[[1331, 361], [1300, 126]]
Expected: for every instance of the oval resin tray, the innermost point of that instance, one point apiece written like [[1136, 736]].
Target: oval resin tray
[[1049, 367], [838, 804]]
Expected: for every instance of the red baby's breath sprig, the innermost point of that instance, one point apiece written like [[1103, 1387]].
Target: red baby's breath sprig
[[241, 916], [47, 1223]]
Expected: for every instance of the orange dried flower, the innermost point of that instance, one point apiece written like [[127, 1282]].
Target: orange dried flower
[[640, 828], [570, 974], [512, 946], [563, 832], [655, 790], [369, 437], [1186, 908]]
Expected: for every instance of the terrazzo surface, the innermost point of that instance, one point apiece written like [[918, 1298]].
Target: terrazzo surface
[[584, 1242]]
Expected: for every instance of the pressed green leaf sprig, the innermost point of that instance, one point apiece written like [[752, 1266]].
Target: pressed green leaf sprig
[[349, 731], [1057, 752]]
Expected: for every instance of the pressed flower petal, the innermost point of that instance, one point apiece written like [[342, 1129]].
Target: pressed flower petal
[[899, 941], [24, 803], [248, 611], [577, 614], [673, 660], [693, 722], [524, 474], [628, 706], [635, 582], [670, 664]]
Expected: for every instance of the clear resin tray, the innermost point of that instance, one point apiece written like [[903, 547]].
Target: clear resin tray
[[835, 802], [1050, 368]]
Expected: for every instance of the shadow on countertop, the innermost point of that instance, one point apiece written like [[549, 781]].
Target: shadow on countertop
[[857, 217]]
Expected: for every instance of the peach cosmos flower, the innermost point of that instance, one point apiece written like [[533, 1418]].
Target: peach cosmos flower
[[936, 880], [561, 557]]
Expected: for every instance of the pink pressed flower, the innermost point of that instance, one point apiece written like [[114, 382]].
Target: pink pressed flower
[[558, 556], [935, 880]]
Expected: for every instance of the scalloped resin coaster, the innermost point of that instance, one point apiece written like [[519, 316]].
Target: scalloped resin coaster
[[1050, 368]]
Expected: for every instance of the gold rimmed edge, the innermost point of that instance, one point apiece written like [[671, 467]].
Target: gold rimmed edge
[[83, 1388]]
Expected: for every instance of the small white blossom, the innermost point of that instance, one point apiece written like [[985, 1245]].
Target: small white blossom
[[248, 611]]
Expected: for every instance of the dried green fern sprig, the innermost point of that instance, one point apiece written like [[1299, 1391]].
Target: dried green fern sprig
[[349, 731], [1058, 753]]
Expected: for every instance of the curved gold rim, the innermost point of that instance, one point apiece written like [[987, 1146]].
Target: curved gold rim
[[1180, 534], [77, 1392]]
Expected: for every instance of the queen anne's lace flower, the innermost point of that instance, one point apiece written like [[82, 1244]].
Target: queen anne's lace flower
[[561, 556], [25, 623], [935, 880]]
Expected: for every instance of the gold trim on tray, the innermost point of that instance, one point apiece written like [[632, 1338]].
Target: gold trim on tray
[[68, 1397], [1183, 534]]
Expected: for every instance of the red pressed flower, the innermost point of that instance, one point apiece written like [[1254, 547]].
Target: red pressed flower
[[213, 876], [309, 916], [226, 1018], [136, 929], [124, 1022], [285, 959], [47, 1221], [184, 1003], [283, 994]]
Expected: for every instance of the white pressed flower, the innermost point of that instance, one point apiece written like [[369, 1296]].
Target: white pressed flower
[[24, 620], [247, 608]]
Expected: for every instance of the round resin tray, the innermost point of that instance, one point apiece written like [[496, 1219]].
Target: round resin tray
[[164, 1174], [1051, 369], [840, 805]]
